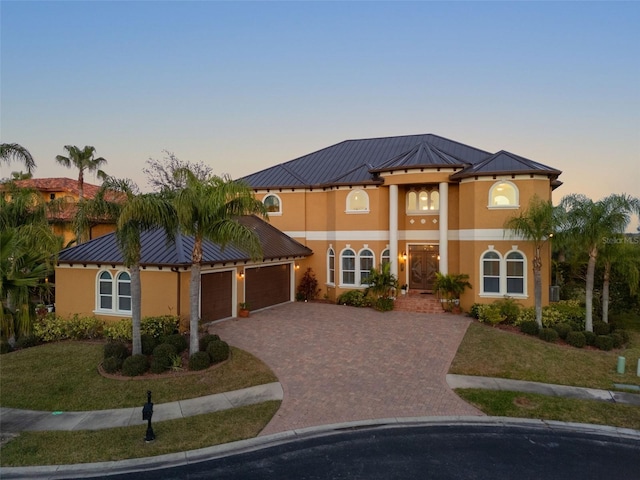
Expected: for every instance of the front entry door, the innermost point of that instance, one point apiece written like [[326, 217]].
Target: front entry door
[[423, 262]]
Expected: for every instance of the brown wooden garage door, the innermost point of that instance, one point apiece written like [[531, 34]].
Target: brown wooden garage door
[[266, 286], [216, 297]]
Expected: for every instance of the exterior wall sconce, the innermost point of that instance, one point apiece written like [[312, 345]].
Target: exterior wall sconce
[[404, 256], [241, 274], [297, 266]]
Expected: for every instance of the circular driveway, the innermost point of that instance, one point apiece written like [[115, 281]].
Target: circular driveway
[[341, 364]]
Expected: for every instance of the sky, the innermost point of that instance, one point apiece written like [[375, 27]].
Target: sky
[[242, 86]]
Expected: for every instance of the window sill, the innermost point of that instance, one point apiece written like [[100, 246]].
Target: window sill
[[504, 295], [503, 207], [274, 214], [425, 213], [357, 212], [111, 313]]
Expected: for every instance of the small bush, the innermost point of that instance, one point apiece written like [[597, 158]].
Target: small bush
[[563, 329], [115, 349], [160, 326], [119, 331], [353, 298], [149, 342], [509, 309], [624, 334], [27, 341], [199, 361], [530, 327], [308, 288], [490, 314], [162, 357], [112, 364], [576, 339], [135, 365], [474, 311], [590, 337], [604, 342], [218, 351], [617, 339], [206, 340], [178, 341], [601, 328], [5, 347], [52, 328], [383, 304], [548, 335]]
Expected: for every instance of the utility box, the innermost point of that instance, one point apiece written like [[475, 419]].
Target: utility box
[[554, 293]]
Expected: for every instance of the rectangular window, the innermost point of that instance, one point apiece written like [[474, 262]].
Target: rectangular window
[[348, 270], [105, 295]]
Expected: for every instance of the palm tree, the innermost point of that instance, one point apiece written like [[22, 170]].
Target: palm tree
[[82, 160], [536, 224], [208, 209], [624, 258], [590, 223], [13, 151]]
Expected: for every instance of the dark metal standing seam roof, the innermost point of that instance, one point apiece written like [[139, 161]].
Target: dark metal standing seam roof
[[359, 161], [158, 251]]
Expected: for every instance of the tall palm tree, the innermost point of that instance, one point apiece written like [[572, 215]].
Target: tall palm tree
[[208, 209], [13, 151], [536, 224], [590, 223], [616, 254], [83, 160]]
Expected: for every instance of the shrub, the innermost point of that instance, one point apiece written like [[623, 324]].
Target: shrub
[[604, 342], [490, 314], [474, 311], [149, 342], [115, 349], [353, 298], [576, 339], [135, 365], [52, 328], [119, 331], [617, 339], [530, 327], [509, 309], [178, 341], [206, 340], [112, 364], [27, 341], [199, 361], [601, 328], [160, 326], [383, 304], [590, 337], [624, 334], [571, 311], [218, 351], [5, 347], [308, 288], [548, 335], [563, 329], [162, 357]]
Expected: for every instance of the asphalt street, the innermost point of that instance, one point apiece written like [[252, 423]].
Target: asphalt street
[[425, 452]]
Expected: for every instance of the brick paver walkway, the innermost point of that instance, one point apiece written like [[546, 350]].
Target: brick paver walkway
[[339, 364]]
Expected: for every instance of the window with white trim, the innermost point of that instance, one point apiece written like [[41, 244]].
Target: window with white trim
[[273, 204], [385, 257], [358, 201], [124, 292], [348, 264], [105, 291], [366, 261], [331, 266], [113, 294], [515, 273], [491, 272], [503, 194], [422, 201]]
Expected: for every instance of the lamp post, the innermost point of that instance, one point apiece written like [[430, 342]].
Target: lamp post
[[147, 413]]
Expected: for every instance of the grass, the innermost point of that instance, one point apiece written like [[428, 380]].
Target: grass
[[529, 405], [63, 377], [34, 448], [491, 352]]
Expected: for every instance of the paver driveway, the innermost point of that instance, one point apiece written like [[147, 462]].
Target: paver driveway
[[339, 364]]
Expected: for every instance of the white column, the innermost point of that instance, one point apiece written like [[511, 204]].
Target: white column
[[393, 228], [444, 227]]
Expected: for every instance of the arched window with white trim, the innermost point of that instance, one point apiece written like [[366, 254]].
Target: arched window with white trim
[[385, 257], [515, 273], [105, 291], [124, 292], [490, 268], [366, 261], [331, 266], [358, 201], [503, 194], [422, 201], [273, 204], [348, 266]]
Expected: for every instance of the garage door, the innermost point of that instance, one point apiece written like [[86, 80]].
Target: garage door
[[216, 297], [266, 286]]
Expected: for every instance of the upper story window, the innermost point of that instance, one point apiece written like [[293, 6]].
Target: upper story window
[[423, 201], [331, 266], [503, 194], [357, 201], [113, 294], [273, 204]]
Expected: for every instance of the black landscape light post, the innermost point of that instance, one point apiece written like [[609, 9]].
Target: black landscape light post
[[147, 413]]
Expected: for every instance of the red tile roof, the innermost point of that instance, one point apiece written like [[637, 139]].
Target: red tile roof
[[61, 184]]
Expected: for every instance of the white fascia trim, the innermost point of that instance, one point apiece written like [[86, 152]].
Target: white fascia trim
[[108, 266], [481, 234], [341, 235], [469, 235], [489, 178]]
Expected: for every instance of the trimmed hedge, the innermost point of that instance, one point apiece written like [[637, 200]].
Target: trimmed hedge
[[149, 342], [563, 329], [604, 342], [576, 339], [218, 351], [135, 365], [179, 342], [590, 337], [206, 340], [530, 327], [112, 364], [199, 361], [27, 341], [548, 335], [162, 357], [601, 328], [115, 349]]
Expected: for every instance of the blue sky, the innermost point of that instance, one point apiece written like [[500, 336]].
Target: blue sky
[[243, 86]]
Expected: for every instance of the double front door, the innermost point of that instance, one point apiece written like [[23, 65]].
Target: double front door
[[423, 265]]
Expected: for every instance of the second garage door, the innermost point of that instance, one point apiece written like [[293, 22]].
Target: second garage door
[[266, 286], [216, 298]]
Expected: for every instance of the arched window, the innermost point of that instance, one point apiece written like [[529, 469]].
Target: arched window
[[366, 264], [503, 194], [124, 292], [358, 201], [515, 273], [273, 204], [105, 291], [435, 200], [491, 272], [331, 266], [385, 257], [422, 201], [348, 264]]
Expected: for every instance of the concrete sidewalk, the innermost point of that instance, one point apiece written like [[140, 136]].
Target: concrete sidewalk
[[15, 420], [489, 383]]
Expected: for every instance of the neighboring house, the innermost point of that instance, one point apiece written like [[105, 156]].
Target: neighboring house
[[66, 191], [422, 202], [92, 280]]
